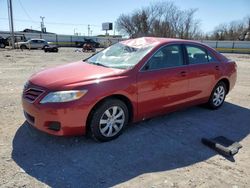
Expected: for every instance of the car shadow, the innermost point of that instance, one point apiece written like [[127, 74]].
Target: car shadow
[[160, 144]]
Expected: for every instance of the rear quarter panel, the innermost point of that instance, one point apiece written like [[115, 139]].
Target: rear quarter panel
[[230, 72]]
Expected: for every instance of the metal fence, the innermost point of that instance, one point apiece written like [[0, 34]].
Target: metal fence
[[229, 46], [72, 40]]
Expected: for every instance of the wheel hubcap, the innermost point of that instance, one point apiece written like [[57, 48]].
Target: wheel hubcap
[[218, 96], [112, 121]]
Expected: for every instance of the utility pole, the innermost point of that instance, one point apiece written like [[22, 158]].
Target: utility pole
[[75, 31], [249, 24], [11, 24], [88, 29], [43, 29]]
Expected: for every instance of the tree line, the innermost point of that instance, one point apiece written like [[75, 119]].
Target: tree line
[[235, 30], [165, 19]]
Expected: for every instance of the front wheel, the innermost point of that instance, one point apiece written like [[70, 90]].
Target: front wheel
[[109, 120], [218, 96], [46, 46], [2, 45]]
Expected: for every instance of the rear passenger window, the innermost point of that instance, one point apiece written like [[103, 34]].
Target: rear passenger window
[[211, 58], [196, 55], [168, 56]]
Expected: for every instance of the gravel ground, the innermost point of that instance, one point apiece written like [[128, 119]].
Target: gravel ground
[[162, 152]]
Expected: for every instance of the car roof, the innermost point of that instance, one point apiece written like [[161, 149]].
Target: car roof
[[37, 39], [155, 41]]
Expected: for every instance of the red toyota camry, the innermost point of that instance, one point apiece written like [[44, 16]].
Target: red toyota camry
[[130, 81]]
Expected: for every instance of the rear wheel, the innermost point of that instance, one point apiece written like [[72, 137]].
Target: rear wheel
[[218, 96], [109, 120], [22, 47]]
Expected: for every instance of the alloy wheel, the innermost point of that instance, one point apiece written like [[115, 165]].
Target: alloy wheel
[[112, 121], [219, 95]]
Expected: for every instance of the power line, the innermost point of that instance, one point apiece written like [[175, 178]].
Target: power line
[[53, 23], [21, 5]]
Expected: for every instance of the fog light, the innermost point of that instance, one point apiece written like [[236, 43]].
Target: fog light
[[54, 125]]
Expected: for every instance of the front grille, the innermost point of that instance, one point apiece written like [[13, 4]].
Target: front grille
[[31, 94]]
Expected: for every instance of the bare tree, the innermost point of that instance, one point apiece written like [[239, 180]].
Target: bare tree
[[161, 19], [235, 30]]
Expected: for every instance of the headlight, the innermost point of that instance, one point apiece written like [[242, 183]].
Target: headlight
[[63, 96], [26, 85]]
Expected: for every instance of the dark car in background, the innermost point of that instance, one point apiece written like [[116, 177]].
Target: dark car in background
[[2, 42], [50, 48], [88, 42], [17, 38], [7, 41]]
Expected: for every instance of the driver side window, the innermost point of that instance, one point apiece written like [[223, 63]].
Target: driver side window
[[166, 57]]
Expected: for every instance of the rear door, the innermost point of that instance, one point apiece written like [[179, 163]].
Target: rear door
[[41, 44], [204, 71], [162, 82], [33, 44]]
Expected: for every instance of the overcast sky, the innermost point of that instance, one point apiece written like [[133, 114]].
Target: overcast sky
[[65, 16]]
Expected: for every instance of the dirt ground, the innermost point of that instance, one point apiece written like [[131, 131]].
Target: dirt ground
[[162, 152]]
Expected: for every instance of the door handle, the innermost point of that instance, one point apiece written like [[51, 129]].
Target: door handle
[[183, 73], [217, 67]]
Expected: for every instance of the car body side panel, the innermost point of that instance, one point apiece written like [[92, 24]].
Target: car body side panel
[[161, 89], [230, 72], [203, 77]]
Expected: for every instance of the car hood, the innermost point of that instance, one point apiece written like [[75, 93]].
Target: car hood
[[72, 75]]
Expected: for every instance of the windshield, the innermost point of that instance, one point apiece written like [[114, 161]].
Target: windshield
[[119, 56]]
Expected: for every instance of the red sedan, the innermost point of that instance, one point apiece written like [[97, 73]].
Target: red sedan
[[130, 81]]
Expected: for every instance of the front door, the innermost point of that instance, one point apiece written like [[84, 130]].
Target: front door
[[162, 82]]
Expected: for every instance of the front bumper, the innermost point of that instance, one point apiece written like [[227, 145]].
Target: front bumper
[[70, 116]]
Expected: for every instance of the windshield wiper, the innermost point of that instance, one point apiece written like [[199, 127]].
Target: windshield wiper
[[98, 64]]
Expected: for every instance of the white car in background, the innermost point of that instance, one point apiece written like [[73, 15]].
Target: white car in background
[[32, 44]]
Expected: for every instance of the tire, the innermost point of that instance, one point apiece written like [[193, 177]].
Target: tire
[[103, 125], [22, 47], [2, 45], [218, 96], [46, 46]]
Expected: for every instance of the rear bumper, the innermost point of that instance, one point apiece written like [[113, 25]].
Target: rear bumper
[[71, 117]]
